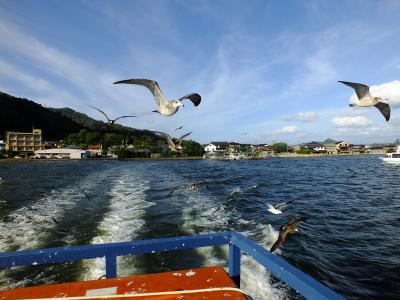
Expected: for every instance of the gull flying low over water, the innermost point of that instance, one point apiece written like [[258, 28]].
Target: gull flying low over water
[[189, 186], [290, 227], [111, 121], [165, 107], [365, 98], [174, 146], [277, 209], [353, 173]]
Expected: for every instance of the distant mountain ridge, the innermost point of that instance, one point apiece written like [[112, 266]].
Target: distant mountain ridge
[[329, 141], [21, 114], [78, 117]]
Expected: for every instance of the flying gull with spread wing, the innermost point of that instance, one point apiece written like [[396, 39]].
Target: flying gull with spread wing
[[277, 209], [180, 127], [111, 121], [164, 107], [290, 227], [189, 186], [173, 146], [366, 100]]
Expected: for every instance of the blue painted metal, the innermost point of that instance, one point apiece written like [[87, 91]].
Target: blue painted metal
[[234, 263], [303, 283], [111, 265]]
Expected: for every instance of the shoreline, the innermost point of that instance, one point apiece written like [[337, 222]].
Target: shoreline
[[282, 155]]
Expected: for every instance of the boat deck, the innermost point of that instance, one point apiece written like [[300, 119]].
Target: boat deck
[[182, 284]]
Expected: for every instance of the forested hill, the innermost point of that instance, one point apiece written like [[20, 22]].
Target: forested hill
[[19, 114], [78, 117]]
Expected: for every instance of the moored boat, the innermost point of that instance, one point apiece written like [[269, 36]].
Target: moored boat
[[393, 157]]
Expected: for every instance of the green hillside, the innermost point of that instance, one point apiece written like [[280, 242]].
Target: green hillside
[[20, 114]]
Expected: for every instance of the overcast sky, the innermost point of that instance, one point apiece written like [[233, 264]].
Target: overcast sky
[[267, 71]]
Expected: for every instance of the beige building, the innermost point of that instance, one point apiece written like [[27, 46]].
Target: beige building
[[331, 148], [61, 153], [26, 143]]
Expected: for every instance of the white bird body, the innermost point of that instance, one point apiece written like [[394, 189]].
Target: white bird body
[[277, 209], [174, 146], [273, 210], [164, 107], [366, 100]]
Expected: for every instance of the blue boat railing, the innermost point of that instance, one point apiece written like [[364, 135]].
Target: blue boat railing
[[238, 243]]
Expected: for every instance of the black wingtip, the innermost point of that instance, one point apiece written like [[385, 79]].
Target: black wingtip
[[123, 81]]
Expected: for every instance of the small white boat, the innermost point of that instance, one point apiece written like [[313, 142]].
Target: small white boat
[[392, 158]]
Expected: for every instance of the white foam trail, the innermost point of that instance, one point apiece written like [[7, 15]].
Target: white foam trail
[[121, 223], [255, 280], [26, 227]]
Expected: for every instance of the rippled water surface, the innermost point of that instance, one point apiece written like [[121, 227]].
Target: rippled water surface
[[351, 241]]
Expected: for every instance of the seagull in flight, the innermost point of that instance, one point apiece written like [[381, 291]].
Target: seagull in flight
[[189, 186], [86, 195], [290, 227], [174, 146], [180, 127], [111, 121], [164, 107], [277, 209], [365, 98]]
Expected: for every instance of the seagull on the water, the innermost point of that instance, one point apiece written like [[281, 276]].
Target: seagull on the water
[[354, 173], [277, 209], [174, 146], [165, 107], [365, 98], [111, 121], [180, 127], [124, 195], [290, 227]]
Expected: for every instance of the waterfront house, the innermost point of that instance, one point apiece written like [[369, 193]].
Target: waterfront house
[[216, 147], [95, 150], [234, 147], [343, 147], [375, 150], [380, 148], [357, 149], [25, 143], [315, 147], [331, 148]]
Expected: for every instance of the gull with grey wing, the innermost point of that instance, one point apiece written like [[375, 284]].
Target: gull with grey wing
[[164, 107], [366, 100]]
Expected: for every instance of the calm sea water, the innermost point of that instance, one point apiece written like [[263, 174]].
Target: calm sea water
[[351, 241]]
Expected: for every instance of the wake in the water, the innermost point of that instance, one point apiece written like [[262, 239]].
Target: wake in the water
[[122, 222]]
